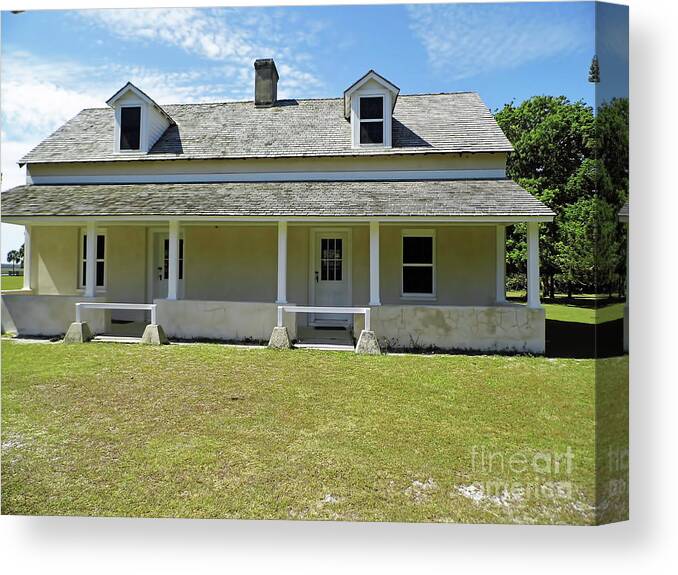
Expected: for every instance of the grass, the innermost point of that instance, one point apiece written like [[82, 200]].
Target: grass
[[586, 308], [212, 431], [12, 282]]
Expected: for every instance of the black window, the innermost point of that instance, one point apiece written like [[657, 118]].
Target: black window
[[100, 256], [331, 259], [130, 128], [418, 265], [181, 260], [372, 120]]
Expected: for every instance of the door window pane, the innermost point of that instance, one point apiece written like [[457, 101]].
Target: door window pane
[[331, 262]]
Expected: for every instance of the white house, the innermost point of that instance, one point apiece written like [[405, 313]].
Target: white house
[[219, 213]]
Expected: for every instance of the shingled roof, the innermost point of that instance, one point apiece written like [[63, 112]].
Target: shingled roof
[[427, 123], [502, 198]]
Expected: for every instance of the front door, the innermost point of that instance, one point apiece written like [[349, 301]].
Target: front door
[[161, 265], [331, 276]]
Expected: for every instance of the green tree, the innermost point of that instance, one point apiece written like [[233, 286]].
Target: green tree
[[577, 164], [588, 244], [13, 258], [612, 145], [551, 137], [594, 71]]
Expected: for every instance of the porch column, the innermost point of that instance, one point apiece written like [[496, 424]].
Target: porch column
[[501, 263], [533, 265], [27, 257], [91, 260], [374, 263], [173, 267], [282, 262]]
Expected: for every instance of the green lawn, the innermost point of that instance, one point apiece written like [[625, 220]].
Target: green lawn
[[214, 431], [12, 282], [581, 309], [579, 314]]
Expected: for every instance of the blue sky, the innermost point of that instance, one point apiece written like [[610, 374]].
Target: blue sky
[[57, 62]]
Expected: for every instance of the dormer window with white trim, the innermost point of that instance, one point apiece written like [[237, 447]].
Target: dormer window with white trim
[[138, 121], [371, 117], [130, 127], [369, 104]]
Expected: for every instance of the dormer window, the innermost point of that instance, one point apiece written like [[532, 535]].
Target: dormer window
[[371, 115], [130, 127], [368, 105], [138, 122]]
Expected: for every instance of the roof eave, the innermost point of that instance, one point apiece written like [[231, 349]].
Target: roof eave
[[141, 94], [371, 74]]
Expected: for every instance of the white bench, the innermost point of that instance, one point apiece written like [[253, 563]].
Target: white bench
[[106, 305], [319, 309]]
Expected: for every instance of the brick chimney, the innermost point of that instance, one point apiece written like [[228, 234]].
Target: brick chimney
[[265, 83]]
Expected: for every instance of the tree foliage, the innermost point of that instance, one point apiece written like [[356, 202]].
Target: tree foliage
[[577, 164]]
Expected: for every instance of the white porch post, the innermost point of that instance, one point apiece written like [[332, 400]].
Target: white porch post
[[282, 262], [501, 263], [91, 260], [173, 267], [533, 299], [27, 257], [374, 263]]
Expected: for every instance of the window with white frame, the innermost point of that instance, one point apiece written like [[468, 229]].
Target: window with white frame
[[130, 128], [165, 266], [371, 118], [418, 263], [100, 265]]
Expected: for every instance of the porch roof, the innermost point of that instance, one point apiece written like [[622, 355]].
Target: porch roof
[[420, 198]]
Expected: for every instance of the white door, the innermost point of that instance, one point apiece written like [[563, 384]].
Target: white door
[[161, 265], [331, 276]]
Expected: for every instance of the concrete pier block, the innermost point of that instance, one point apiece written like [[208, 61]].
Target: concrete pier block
[[368, 344], [154, 335], [78, 332], [280, 339]]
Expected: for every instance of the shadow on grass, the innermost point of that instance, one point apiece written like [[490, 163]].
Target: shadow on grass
[[582, 340]]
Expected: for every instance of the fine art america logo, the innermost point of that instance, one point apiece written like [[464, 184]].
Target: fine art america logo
[[551, 472]]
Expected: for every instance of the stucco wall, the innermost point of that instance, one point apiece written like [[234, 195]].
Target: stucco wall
[[54, 262], [126, 268], [146, 167], [480, 328], [465, 264], [47, 315], [239, 263], [220, 320], [230, 263]]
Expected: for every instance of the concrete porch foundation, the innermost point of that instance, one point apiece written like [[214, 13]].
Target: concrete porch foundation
[[220, 320], [47, 315], [505, 328]]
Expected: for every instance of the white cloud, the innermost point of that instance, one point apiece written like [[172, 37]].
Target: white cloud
[[39, 95], [233, 37], [467, 40]]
